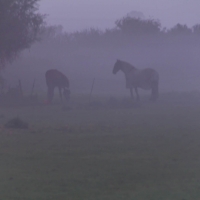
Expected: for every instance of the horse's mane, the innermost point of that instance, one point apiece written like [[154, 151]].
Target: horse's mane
[[127, 65]]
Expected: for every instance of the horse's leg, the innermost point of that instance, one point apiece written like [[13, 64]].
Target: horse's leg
[[137, 94], [60, 93], [66, 94]]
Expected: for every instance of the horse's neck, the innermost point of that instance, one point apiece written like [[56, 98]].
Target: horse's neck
[[128, 68]]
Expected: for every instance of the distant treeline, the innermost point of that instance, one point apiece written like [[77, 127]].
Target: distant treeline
[[126, 30]]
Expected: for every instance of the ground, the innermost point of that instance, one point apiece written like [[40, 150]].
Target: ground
[[147, 151]]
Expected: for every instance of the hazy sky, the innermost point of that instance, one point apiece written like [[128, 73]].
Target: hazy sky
[[80, 14]]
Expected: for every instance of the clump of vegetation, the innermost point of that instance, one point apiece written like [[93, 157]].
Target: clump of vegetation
[[16, 123]]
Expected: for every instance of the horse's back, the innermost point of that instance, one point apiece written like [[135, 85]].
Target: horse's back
[[55, 78], [150, 74], [145, 78]]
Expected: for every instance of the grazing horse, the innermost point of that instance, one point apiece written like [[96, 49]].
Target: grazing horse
[[55, 78], [146, 79]]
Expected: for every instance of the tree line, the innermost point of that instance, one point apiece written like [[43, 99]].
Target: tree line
[[126, 30], [21, 25]]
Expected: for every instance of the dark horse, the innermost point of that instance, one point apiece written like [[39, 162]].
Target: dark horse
[[146, 79], [55, 78]]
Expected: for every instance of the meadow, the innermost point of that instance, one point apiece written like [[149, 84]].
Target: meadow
[[146, 151]]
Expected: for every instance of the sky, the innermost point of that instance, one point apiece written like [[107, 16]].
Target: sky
[[77, 15]]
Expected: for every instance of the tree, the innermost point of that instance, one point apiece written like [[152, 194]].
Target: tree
[[196, 29], [180, 29], [137, 26], [20, 25]]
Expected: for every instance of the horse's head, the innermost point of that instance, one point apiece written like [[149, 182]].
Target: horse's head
[[117, 66], [66, 94]]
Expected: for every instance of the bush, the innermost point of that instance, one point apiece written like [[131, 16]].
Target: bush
[[16, 123]]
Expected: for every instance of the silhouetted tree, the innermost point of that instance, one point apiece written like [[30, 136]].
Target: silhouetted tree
[[196, 29], [19, 27], [180, 29], [136, 26]]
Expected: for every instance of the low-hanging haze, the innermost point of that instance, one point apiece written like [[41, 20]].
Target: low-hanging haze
[[83, 57], [76, 15]]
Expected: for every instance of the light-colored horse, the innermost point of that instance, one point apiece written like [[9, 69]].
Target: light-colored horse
[[147, 79]]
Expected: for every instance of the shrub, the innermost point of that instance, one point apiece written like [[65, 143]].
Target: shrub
[[16, 123]]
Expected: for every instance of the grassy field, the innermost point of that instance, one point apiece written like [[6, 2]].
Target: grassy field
[[147, 152]]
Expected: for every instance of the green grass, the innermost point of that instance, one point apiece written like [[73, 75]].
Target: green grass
[[148, 152]]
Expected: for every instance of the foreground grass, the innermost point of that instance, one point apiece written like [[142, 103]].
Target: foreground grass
[[146, 152]]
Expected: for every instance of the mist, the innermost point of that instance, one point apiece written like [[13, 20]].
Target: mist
[[90, 54], [95, 142]]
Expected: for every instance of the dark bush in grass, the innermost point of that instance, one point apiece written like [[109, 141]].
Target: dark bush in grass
[[16, 123]]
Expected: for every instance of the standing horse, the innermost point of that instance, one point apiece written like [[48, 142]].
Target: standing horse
[[55, 78], [146, 79]]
